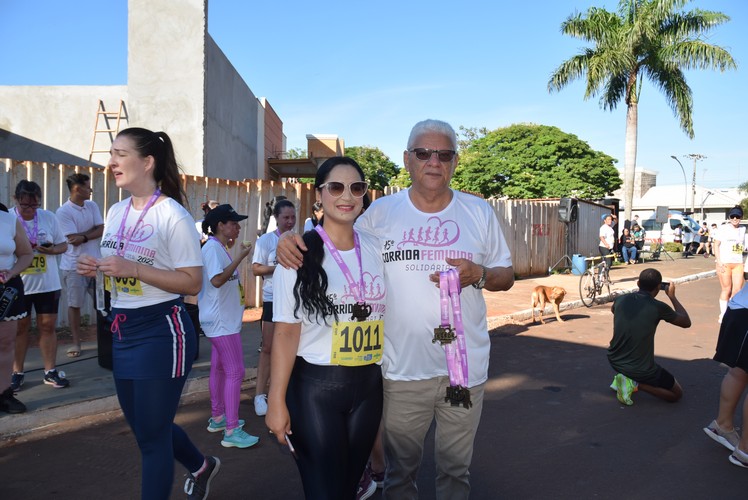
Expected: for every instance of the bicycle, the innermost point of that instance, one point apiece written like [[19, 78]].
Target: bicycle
[[594, 280]]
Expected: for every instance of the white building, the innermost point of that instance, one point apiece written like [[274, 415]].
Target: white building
[[710, 204]]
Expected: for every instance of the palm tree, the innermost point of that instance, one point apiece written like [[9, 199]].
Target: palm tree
[[645, 38]]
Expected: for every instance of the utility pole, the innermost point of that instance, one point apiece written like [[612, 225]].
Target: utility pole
[[695, 157]]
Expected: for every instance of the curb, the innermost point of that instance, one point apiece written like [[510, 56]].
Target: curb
[[24, 423]]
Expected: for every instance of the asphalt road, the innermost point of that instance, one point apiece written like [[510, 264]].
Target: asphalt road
[[551, 428]]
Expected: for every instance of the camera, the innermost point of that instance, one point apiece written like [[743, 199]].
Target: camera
[[664, 286]]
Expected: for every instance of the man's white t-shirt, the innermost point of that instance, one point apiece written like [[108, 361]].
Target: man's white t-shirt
[[43, 275], [221, 309], [732, 242], [74, 219], [413, 245], [315, 343], [265, 254], [606, 233], [166, 239]]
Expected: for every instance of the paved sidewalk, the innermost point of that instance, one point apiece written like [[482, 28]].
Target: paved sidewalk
[[92, 389]]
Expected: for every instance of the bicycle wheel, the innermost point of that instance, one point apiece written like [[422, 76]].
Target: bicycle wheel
[[587, 287]]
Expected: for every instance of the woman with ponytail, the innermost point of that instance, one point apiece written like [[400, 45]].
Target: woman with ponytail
[[325, 396], [150, 259]]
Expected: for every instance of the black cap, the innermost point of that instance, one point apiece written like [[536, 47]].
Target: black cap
[[222, 213], [735, 211]]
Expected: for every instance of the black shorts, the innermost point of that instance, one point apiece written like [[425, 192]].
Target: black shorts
[[267, 312], [662, 378], [43, 303], [16, 310], [732, 344]]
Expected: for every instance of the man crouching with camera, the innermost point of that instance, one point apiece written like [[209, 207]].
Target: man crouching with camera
[[631, 351]]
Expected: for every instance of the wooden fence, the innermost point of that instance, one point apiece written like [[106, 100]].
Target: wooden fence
[[536, 238]]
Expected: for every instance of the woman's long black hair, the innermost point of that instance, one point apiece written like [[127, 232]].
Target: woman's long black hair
[[310, 289]]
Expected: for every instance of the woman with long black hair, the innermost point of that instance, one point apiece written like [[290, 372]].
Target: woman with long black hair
[[326, 386]]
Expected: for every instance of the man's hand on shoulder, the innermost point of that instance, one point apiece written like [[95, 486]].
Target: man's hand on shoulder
[[288, 253]]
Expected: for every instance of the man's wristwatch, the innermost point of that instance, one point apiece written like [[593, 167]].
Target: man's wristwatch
[[482, 281]]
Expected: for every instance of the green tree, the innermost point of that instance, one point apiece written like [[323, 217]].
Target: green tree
[[377, 166], [645, 38], [535, 161]]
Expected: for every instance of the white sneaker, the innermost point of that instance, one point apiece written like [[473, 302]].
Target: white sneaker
[[261, 404]]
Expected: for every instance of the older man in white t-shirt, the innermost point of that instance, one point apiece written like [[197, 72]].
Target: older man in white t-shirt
[[81, 222]]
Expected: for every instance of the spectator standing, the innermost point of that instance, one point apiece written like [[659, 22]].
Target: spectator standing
[[703, 239], [81, 223], [151, 257], [631, 351], [418, 230], [731, 351], [263, 264], [326, 387], [607, 238], [729, 243], [15, 256], [317, 213], [41, 285], [221, 309]]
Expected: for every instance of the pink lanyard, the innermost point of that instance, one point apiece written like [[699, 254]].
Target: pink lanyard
[[120, 248], [360, 310], [33, 235], [457, 362], [236, 271]]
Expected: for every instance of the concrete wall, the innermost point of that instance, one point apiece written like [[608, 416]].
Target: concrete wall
[[55, 124], [275, 141], [232, 123], [167, 73]]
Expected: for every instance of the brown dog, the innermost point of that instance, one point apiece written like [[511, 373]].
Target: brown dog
[[543, 294]]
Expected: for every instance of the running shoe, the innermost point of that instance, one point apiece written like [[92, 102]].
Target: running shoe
[[56, 379], [238, 439], [727, 439], [366, 487], [625, 388], [261, 404], [16, 381], [9, 404], [614, 384], [739, 458], [198, 487], [377, 477], [220, 426]]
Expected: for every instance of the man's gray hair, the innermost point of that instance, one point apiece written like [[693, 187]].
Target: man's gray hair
[[431, 127]]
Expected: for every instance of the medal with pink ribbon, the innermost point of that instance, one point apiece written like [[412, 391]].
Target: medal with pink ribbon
[[361, 310], [453, 339]]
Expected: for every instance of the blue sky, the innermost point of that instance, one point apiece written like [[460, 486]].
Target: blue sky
[[367, 71]]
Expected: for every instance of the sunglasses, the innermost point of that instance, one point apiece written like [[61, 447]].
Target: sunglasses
[[29, 205], [336, 189], [735, 217], [424, 154]]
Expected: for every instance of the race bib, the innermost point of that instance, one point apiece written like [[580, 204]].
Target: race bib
[[130, 286], [737, 248], [357, 343], [38, 265]]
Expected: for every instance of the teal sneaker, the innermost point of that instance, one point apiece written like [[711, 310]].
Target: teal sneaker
[[625, 388], [238, 439], [214, 426]]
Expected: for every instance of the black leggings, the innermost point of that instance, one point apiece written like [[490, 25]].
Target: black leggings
[[335, 413], [149, 407], [604, 252]]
